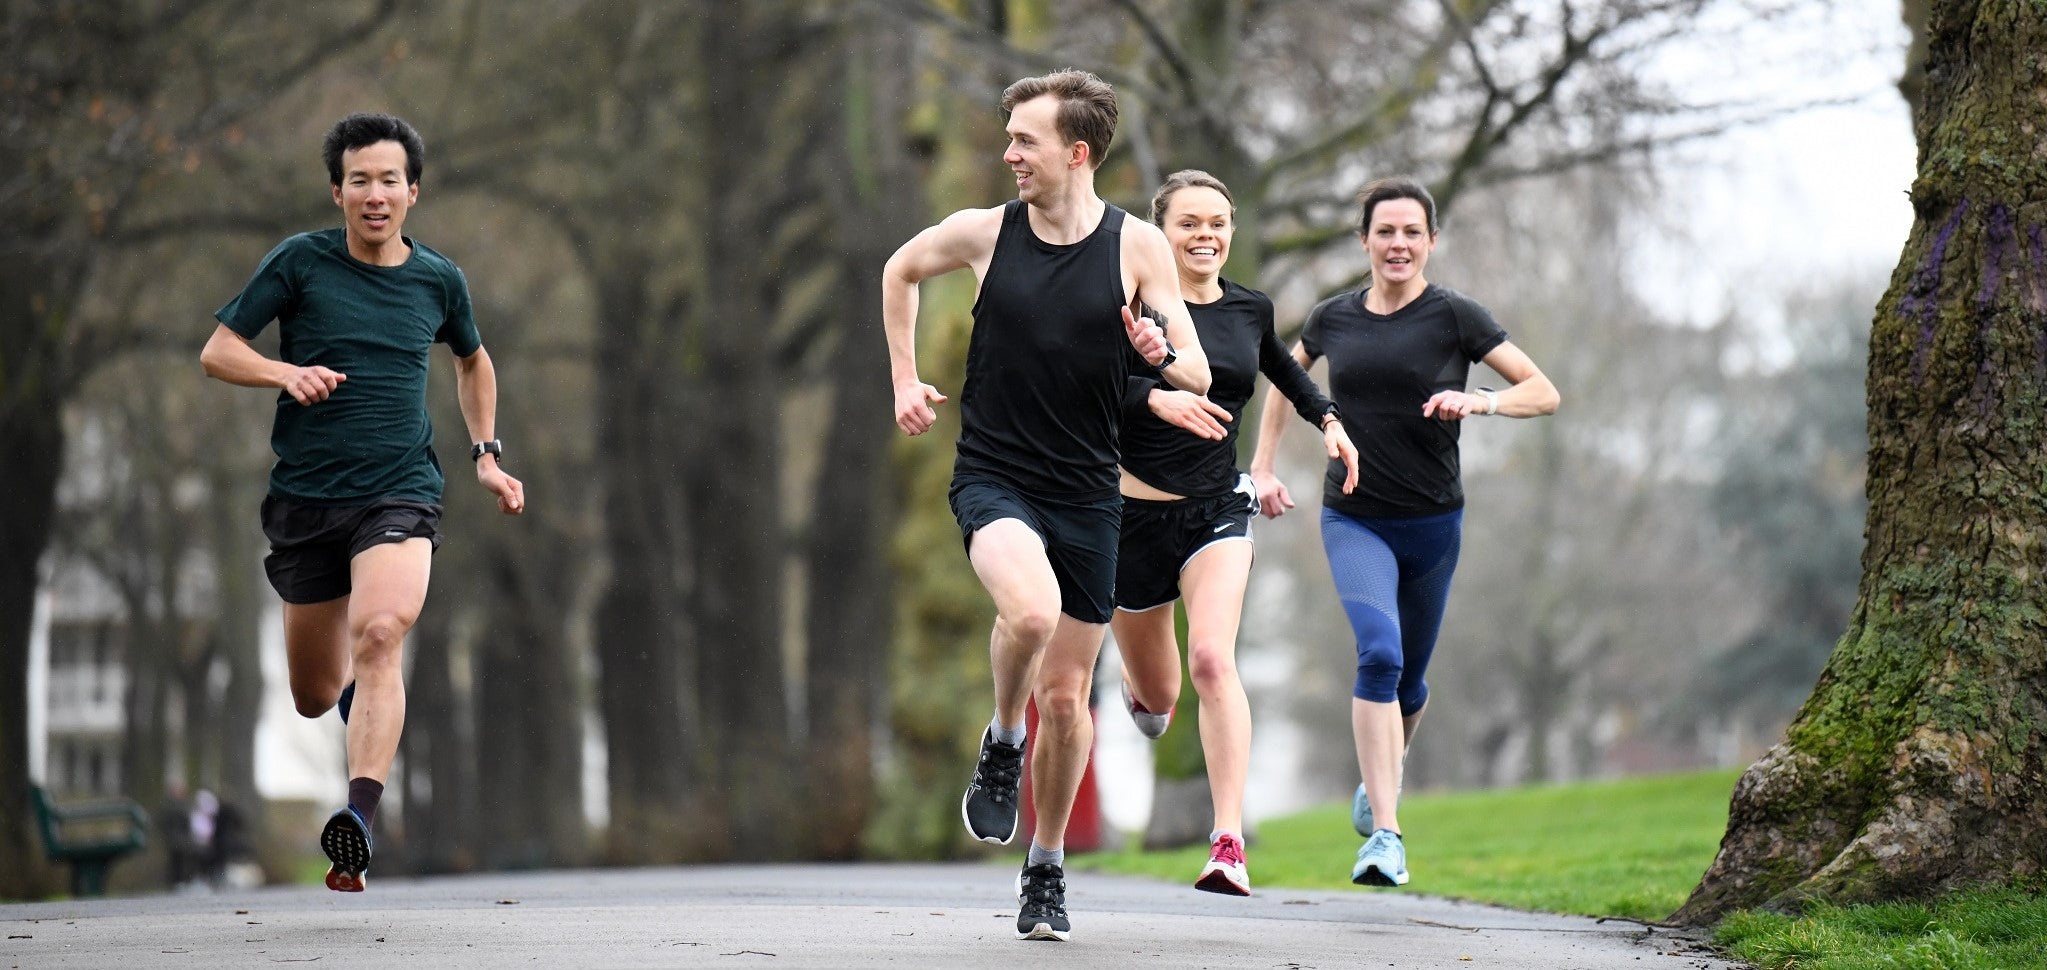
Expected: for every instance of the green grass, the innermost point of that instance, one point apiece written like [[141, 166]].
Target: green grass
[[1990, 929], [1632, 848]]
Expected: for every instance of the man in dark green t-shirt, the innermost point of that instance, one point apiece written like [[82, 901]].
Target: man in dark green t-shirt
[[352, 514]]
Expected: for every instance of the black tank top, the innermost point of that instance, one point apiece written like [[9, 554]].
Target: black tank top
[[1041, 406]]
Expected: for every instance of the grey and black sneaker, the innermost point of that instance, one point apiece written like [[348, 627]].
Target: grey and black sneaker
[[1042, 891], [346, 840], [989, 806]]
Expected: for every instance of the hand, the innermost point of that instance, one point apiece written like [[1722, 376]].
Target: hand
[[1193, 412], [311, 385], [511, 494], [1337, 441], [1273, 500], [913, 407], [1453, 406], [1146, 336]]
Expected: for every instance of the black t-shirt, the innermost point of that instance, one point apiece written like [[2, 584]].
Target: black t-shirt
[[371, 439], [1382, 369], [1046, 364], [1237, 335]]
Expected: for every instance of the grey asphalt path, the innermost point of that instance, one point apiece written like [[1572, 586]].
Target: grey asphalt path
[[840, 916]]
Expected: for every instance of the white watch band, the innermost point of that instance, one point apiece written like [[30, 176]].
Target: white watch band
[[1492, 400]]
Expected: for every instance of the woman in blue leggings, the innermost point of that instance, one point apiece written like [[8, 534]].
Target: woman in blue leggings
[[1400, 350]]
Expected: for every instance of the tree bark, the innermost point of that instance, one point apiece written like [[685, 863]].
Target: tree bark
[[1919, 764], [849, 610], [32, 450]]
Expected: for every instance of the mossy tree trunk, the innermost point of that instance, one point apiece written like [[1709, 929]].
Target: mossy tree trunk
[[1920, 761]]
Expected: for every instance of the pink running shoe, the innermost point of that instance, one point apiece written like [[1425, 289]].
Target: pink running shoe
[[1225, 872]]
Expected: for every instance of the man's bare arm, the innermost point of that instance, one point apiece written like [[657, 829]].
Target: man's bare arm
[[965, 239], [1158, 287], [229, 357]]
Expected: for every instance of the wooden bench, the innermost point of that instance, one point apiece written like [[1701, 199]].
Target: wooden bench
[[89, 836]]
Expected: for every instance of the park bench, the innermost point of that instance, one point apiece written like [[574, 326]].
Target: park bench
[[89, 836]]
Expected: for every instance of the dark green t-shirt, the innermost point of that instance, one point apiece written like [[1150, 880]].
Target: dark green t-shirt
[[371, 439]]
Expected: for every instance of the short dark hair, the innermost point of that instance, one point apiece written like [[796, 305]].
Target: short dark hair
[[1187, 178], [1388, 189], [1087, 107], [363, 129]]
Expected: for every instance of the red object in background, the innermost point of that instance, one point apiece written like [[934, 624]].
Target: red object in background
[[1084, 828]]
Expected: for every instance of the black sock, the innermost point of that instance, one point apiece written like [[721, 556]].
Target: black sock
[[363, 795]]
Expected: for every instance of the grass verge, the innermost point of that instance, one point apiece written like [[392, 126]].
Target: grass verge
[[1630, 848], [1991, 929]]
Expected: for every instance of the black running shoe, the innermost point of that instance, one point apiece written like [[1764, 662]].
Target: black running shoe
[[989, 806], [346, 701], [346, 840], [1042, 891]]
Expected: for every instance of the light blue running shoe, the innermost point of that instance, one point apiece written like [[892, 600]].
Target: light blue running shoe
[[1382, 861], [1361, 811]]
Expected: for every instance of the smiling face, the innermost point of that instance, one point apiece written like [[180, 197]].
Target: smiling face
[[1399, 241], [1198, 226], [374, 195], [1043, 161]]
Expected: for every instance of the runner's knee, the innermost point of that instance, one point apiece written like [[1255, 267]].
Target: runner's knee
[[380, 638], [1212, 665], [314, 697], [1062, 703], [1033, 624], [1380, 665]]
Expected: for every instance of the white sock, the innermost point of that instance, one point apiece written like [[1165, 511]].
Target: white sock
[[1012, 736], [1039, 856]]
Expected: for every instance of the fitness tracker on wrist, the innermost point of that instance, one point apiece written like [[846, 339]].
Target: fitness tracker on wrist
[[491, 447]]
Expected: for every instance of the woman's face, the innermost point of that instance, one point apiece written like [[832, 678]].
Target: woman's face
[[1198, 227], [1399, 240]]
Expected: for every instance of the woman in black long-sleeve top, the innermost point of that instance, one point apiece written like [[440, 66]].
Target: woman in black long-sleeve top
[[1187, 510]]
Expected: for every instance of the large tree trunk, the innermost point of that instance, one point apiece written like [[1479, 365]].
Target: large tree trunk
[[32, 451], [749, 59], [529, 725], [849, 608], [1919, 763], [437, 753], [646, 642]]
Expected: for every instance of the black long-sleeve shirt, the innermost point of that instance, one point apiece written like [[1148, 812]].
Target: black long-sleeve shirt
[[1237, 334]]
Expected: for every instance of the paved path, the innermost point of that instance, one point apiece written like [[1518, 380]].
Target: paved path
[[839, 916]]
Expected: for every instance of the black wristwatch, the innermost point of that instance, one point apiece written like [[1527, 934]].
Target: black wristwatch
[[1171, 355], [491, 447]]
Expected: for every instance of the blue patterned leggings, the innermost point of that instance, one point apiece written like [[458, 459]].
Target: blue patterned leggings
[[1393, 575]]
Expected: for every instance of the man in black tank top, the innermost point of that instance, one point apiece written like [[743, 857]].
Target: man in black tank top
[[1034, 487]]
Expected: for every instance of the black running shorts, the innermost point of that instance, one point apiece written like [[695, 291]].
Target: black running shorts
[[1160, 538], [311, 545], [1080, 539]]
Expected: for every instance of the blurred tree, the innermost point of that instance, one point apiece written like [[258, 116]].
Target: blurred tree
[[1918, 763], [99, 102]]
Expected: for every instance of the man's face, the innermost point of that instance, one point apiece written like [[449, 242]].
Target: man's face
[[373, 194], [1041, 159]]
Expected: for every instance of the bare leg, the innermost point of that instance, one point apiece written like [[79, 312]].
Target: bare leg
[[1378, 732], [1066, 729], [316, 649], [1010, 560], [390, 587], [1151, 656], [1213, 585]]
